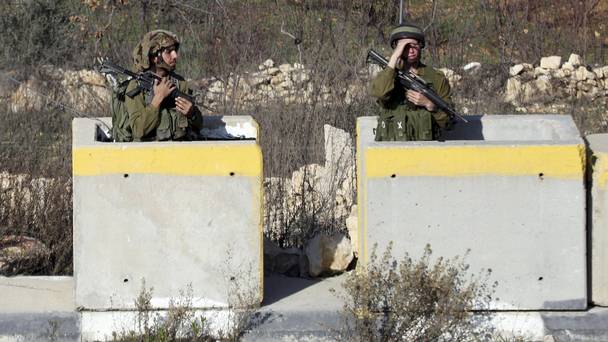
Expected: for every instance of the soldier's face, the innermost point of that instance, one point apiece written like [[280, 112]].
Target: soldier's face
[[170, 56], [412, 50]]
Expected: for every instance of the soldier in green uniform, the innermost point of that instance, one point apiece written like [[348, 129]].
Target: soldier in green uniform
[[155, 115], [407, 115]]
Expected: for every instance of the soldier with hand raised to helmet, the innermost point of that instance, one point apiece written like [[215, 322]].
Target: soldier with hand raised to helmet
[[406, 114]]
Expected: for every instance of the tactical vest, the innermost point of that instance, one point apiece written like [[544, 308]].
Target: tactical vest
[[173, 125], [403, 124]]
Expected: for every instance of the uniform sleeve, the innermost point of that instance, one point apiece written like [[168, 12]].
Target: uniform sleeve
[[443, 89], [382, 87], [195, 121], [143, 119]]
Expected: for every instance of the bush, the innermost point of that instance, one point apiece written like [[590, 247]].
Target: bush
[[179, 324], [415, 300]]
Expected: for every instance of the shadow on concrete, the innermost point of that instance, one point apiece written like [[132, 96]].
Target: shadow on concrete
[[591, 325], [472, 130], [278, 287]]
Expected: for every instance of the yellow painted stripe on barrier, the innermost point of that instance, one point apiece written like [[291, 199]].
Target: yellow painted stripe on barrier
[[208, 160], [553, 161]]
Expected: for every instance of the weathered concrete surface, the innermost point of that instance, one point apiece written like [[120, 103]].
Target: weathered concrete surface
[[36, 294], [38, 309], [508, 189], [598, 212], [37, 326], [175, 214], [294, 309], [306, 310]]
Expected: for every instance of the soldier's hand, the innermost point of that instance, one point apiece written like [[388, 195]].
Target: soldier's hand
[[162, 89], [397, 53], [420, 100], [183, 106]]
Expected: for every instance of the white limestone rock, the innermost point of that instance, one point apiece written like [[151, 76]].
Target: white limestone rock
[[272, 71], [328, 254], [472, 67], [539, 71], [582, 74], [300, 76], [575, 60], [286, 68], [269, 63], [560, 73], [543, 85], [277, 79], [513, 89], [568, 66], [552, 62], [516, 69]]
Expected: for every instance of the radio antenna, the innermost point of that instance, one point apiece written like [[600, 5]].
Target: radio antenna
[[400, 12]]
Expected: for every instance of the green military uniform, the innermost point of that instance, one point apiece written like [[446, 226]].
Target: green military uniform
[[401, 120], [147, 122], [165, 123]]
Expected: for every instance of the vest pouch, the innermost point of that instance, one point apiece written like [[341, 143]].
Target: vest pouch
[[384, 130], [400, 126], [163, 131], [419, 126], [180, 124]]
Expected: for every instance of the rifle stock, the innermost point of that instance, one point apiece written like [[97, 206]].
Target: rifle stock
[[414, 82]]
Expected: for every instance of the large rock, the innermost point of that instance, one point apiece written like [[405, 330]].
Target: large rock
[[552, 62], [516, 69], [328, 254], [513, 89], [575, 60], [582, 74], [568, 66]]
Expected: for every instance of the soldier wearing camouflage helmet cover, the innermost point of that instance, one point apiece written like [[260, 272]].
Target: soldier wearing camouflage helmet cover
[[155, 115], [406, 114]]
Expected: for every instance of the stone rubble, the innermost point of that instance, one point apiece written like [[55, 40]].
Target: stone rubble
[[553, 81], [86, 91]]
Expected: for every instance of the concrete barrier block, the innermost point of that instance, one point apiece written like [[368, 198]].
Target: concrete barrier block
[[507, 188], [598, 247], [175, 214]]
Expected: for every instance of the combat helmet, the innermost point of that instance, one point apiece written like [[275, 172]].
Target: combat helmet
[[407, 30], [151, 45]]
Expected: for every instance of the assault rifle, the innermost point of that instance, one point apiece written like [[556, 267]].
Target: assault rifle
[[414, 82], [145, 80]]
